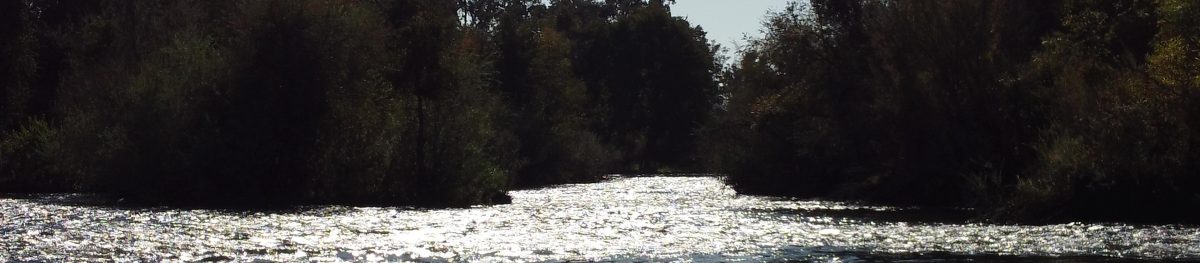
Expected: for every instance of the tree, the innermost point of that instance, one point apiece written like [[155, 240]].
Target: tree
[[18, 63], [652, 76]]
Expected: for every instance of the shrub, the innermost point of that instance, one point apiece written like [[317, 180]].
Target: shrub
[[28, 161]]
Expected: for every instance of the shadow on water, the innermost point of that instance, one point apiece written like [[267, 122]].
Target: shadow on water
[[920, 215], [108, 202], [882, 214], [910, 215], [617, 176], [949, 257], [834, 254], [68, 199]]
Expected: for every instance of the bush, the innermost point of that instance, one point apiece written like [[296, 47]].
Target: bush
[[27, 161]]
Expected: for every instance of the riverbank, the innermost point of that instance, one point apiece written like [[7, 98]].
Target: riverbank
[[1011, 208], [1041, 111], [277, 103]]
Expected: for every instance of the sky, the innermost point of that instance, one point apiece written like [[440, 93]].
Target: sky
[[726, 21]]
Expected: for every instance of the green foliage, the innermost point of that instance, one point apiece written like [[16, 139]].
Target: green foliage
[[444, 103], [282, 102], [619, 86], [559, 145], [18, 64], [26, 160], [774, 129], [548, 100], [468, 152], [651, 79], [1033, 110]]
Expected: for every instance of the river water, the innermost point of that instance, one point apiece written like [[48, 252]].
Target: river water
[[696, 219]]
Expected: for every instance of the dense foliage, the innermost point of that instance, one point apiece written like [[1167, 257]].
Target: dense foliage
[[428, 102], [1033, 110], [1029, 110]]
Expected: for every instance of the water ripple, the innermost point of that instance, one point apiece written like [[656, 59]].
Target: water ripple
[[624, 219]]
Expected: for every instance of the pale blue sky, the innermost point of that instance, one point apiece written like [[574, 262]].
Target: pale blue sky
[[726, 21]]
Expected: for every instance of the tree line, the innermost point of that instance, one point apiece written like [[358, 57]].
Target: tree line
[[380, 102], [1027, 110]]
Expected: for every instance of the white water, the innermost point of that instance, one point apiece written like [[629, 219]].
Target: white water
[[623, 219]]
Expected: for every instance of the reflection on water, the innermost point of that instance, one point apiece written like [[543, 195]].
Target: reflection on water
[[623, 219]]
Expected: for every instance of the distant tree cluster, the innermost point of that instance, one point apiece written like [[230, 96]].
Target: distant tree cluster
[[278, 102], [1031, 110]]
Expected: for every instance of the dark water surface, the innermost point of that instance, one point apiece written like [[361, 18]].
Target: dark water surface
[[695, 219]]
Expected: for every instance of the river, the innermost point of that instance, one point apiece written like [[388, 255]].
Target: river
[[697, 219]]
